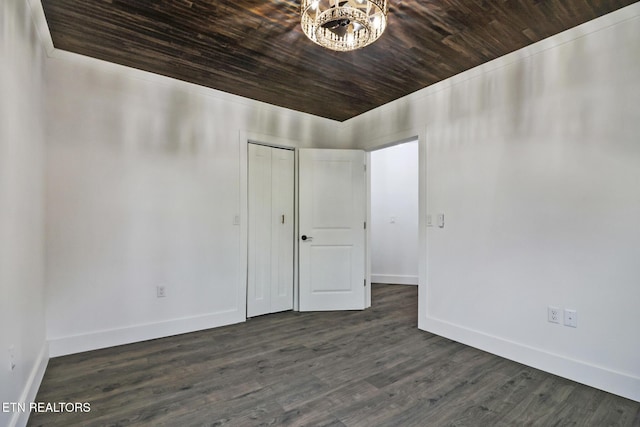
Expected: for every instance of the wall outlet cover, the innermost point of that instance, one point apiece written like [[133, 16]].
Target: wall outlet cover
[[553, 314]]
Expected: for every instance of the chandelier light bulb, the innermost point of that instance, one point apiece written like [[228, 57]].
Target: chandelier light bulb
[[375, 22]]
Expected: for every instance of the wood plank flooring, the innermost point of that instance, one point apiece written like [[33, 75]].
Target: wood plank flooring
[[370, 368]]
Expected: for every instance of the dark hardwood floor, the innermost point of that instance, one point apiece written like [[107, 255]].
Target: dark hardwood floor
[[370, 368]]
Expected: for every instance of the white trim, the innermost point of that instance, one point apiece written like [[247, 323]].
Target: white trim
[[31, 387], [423, 209], [296, 232], [243, 212], [605, 379], [390, 140], [391, 279], [109, 338], [368, 280], [270, 140]]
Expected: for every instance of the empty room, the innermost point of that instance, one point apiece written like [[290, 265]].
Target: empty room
[[191, 231]]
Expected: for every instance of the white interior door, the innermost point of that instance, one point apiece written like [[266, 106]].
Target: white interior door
[[271, 232], [332, 212]]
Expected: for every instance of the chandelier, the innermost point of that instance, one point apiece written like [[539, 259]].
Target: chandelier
[[344, 25]]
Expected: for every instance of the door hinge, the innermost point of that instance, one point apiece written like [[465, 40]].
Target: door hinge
[[365, 283], [365, 167], [365, 225]]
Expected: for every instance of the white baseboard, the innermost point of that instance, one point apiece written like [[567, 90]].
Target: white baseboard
[[599, 377], [394, 279], [102, 339], [20, 419]]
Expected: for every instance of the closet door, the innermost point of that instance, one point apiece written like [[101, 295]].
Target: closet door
[[282, 195], [259, 257], [271, 201]]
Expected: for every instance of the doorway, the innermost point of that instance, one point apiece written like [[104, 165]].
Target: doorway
[[394, 214]]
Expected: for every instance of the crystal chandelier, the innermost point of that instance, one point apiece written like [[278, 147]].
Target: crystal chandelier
[[344, 25]]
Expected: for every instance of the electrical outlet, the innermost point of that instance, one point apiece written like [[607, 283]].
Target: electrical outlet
[[161, 291], [440, 220], [553, 314], [570, 318]]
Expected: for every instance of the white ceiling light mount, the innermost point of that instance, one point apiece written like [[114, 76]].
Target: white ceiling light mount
[[344, 25]]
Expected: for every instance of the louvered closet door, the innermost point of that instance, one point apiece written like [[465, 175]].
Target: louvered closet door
[[271, 207]]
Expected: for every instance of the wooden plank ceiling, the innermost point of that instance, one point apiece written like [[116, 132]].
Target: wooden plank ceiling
[[256, 48]]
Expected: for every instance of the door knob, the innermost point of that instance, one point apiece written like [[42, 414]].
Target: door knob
[[305, 237]]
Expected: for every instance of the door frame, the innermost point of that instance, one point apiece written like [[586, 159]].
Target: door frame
[[246, 138], [291, 203], [385, 141], [369, 221]]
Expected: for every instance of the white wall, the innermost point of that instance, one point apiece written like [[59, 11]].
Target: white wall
[[143, 183], [533, 158], [21, 213], [394, 214], [535, 161]]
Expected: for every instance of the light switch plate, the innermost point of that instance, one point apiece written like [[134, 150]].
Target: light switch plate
[[571, 318]]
